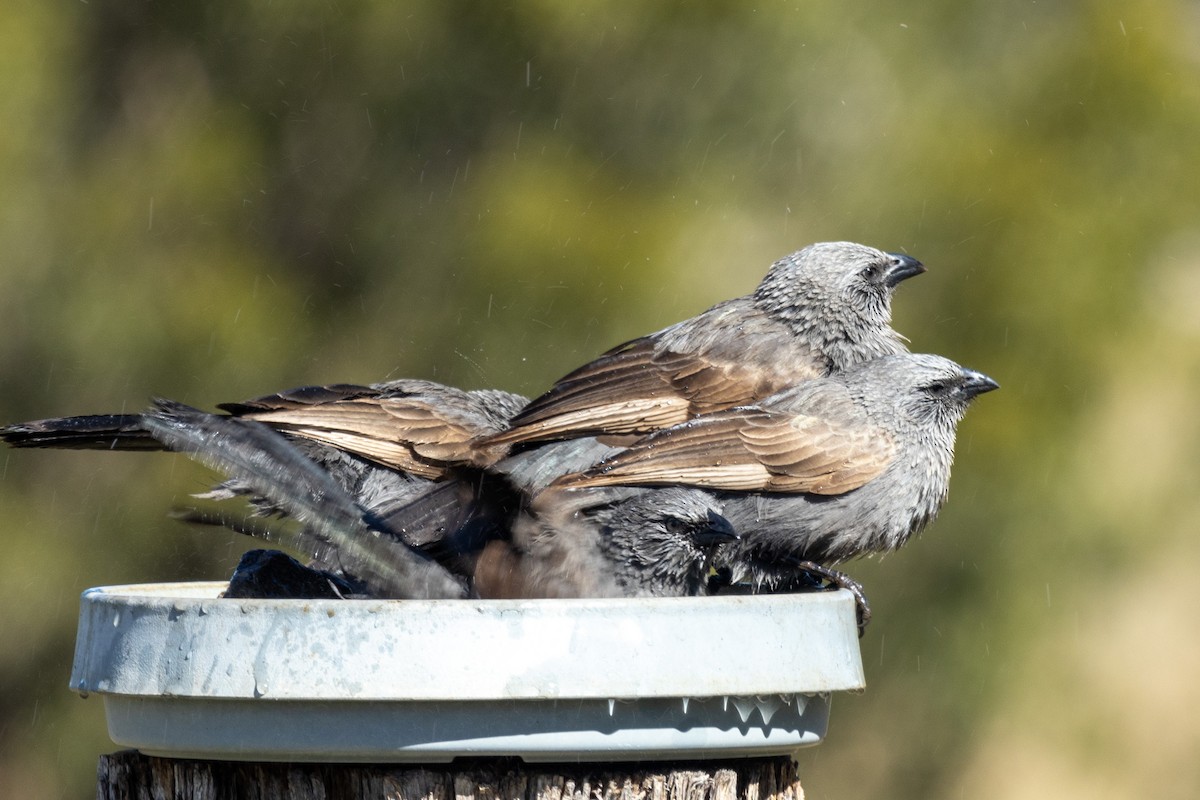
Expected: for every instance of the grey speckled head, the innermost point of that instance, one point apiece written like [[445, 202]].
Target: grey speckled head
[[919, 391], [839, 296], [662, 539]]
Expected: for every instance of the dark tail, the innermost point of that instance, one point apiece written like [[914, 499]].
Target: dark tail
[[94, 432]]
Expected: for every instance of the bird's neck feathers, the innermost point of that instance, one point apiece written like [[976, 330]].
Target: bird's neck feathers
[[648, 560], [849, 328]]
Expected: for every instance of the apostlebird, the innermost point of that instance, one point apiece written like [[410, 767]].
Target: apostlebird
[[844, 466], [384, 447], [607, 542], [384, 444], [818, 311]]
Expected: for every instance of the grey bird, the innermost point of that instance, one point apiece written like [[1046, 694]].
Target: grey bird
[[845, 466], [384, 444], [820, 310], [384, 447], [418, 427], [592, 543]]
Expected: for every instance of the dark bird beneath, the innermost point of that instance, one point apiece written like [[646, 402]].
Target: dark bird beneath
[[271, 574], [514, 537], [607, 543]]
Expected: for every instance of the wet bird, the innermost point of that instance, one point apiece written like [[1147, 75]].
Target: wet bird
[[593, 543], [845, 466], [818, 311]]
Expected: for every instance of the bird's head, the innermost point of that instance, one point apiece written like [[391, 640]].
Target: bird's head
[[666, 537], [918, 389], [839, 296]]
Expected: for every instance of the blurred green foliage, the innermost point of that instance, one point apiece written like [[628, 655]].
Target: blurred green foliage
[[213, 201]]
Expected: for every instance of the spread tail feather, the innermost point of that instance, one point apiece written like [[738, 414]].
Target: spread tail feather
[[274, 468]]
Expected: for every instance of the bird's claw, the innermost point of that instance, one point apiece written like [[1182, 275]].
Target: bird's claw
[[837, 579]]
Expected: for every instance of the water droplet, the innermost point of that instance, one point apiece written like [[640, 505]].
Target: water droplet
[[767, 706], [745, 707]]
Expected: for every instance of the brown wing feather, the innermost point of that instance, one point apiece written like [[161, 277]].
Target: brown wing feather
[[397, 432], [639, 390], [815, 455], [750, 450], [711, 383], [620, 392]]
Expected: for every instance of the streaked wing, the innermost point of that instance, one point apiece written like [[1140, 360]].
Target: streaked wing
[[750, 449], [399, 433], [815, 455], [420, 432], [638, 389], [713, 383], [623, 391]]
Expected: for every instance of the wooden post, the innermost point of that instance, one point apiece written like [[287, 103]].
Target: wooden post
[[129, 775]]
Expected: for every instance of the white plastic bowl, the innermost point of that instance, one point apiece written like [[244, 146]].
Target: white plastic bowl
[[186, 674]]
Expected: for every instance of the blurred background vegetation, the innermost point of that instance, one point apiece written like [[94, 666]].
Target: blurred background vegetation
[[213, 201]]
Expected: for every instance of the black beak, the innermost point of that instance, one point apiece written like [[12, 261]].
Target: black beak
[[718, 531], [976, 383], [900, 268]]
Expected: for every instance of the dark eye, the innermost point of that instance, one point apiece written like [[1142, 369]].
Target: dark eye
[[675, 526], [871, 272], [940, 388]]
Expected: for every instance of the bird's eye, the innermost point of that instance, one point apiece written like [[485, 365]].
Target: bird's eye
[[871, 272], [675, 525], [938, 388]]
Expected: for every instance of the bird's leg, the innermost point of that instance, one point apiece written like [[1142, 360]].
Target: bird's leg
[[841, 580], [799, 576]]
